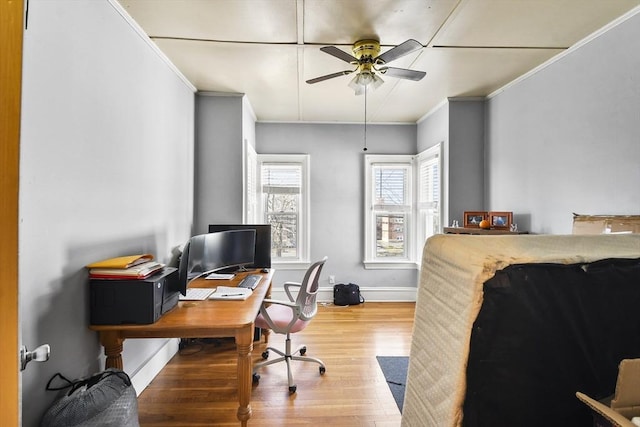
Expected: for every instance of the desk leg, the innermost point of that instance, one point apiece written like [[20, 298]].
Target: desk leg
[[267, 332], [112, 344], [244, 344]]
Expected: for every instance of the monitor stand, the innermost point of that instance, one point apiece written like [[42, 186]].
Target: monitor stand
[[232, 270]]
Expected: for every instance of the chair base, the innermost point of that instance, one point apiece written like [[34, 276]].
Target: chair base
[[287, 356]]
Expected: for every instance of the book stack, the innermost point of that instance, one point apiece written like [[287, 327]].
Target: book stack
[[125, 267]]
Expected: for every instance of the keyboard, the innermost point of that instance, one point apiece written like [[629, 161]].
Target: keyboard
[[196, 294], [250, 281]]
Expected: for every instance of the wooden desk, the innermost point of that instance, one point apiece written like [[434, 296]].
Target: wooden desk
[[201, 319]]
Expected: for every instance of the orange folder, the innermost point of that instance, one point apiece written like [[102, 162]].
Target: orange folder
[[122, 261]]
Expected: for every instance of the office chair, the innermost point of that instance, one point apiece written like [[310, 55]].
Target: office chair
[[289, 317]]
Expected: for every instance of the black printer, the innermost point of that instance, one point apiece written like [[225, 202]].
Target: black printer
[[138, 301]]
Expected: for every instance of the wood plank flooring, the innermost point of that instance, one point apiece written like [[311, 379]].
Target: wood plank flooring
[[198, 386]]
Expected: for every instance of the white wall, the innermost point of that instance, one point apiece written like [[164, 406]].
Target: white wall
[[337, 192], [106, 170], [567, 138]]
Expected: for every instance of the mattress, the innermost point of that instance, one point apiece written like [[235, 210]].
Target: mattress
[[450, 296]]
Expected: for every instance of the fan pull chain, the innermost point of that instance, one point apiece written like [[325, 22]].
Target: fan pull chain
[[365, 119]]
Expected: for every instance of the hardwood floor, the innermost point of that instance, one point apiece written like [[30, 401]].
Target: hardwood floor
[[198, 386]]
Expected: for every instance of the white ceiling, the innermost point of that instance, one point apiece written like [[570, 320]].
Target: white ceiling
[[267, 49]]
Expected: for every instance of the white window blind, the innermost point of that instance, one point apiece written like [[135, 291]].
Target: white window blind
[[428, 204], [251, 185]]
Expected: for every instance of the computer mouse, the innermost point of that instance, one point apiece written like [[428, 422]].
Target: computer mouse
[[265, 270]]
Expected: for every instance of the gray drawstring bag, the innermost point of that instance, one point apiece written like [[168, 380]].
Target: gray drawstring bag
[[105, 399]]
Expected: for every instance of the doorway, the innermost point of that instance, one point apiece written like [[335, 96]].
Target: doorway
[[11, 34]]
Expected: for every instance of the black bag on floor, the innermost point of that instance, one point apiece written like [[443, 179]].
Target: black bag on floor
[[348, 294], [104, 399]]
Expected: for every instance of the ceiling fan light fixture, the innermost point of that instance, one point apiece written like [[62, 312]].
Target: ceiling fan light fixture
[[363, 79]]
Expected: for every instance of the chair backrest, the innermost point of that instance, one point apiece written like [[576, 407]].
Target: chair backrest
[[306, 298]]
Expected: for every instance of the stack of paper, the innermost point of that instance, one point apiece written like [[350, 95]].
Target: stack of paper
[[125, 267], [230, 293]]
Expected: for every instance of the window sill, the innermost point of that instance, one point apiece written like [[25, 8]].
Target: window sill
[[395, 265]]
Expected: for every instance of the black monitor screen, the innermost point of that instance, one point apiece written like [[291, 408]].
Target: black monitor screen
[[206, 253], [263, 241]]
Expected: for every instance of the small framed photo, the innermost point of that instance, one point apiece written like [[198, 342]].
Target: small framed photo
[[472, 218], [500, 220]]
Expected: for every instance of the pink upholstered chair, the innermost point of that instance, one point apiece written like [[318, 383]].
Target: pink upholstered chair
[[289, 317]]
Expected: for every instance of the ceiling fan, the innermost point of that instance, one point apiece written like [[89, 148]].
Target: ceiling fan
[[369, 63]]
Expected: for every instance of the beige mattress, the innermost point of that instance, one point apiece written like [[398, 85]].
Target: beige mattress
[[454, 269]]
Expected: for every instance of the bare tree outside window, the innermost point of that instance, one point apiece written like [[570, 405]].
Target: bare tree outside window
[[284, 225], [281, 186]]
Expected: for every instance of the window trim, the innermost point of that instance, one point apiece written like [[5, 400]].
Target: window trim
[[304, 221], [370, 260]]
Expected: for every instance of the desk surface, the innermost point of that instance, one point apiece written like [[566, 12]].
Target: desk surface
[[201, 319]]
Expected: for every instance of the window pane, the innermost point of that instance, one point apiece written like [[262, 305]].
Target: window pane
[[430, 222], [282, 203], [428, 196], [284, 235], [282, 178], [281, 188], [429, 190], [390, 237], [390, 185]]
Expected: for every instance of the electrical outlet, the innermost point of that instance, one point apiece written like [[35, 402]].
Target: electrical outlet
[[332, 280]]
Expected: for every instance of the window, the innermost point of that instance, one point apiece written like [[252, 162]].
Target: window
[[389, 204], [283, 189], [428, 205], [250, 191], [398, 219]]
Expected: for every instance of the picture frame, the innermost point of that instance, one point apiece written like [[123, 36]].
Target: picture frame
[[500, 220], [472, 218]]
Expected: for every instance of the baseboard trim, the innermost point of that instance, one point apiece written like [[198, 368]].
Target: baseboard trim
[[148, 371], [377, 294]]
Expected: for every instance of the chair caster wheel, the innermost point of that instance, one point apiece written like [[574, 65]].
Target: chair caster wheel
[[322, 370], [256, 378], [292, 389], [265, 354], [303, 351]]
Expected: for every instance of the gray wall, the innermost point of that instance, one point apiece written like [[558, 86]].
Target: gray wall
[[218, 154], [466, 158], [106, 170], [337, 191], [459, 125], [567, 138]]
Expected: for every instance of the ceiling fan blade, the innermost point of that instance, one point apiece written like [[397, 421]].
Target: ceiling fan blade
[[402, 49], [402, 73], [329, 76], [339, 53]]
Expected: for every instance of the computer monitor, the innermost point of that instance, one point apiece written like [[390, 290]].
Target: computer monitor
[[263, 241], [206, 253]]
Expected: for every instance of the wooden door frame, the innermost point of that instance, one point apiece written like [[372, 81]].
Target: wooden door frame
[[11, 35]]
